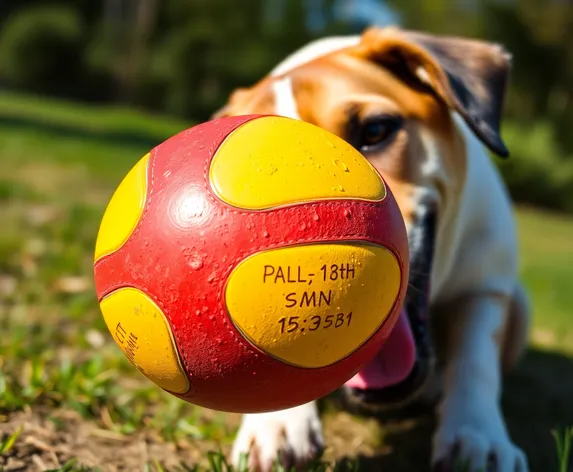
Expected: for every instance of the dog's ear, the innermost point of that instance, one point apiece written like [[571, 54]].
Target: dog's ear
[[470, 76]]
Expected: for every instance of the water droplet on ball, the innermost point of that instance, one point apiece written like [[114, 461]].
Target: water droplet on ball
[[341, 165], [195, 261]]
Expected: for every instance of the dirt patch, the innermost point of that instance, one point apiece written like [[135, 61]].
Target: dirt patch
[[50, 441]]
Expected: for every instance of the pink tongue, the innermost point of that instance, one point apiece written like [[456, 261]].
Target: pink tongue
[[392, 363]]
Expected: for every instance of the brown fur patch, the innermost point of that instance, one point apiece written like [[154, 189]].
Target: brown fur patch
[[470, 76]]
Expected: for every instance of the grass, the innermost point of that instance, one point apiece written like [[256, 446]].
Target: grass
[[547, 263], [59, 164], [563, 440]]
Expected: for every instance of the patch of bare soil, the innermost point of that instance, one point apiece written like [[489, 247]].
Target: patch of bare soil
[[49, 441]]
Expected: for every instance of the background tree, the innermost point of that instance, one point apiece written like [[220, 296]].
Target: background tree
[[184, 57]]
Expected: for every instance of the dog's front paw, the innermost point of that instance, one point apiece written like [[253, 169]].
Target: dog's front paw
[[293, 436], [472, 450]]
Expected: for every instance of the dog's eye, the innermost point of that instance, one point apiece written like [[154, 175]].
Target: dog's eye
[[377, 131]]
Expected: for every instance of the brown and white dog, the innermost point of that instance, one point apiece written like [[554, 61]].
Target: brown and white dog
[[424, 110]]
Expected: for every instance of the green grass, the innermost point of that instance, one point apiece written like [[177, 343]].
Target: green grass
[[563, 441], [111, 121], [59, 164], [547, 268]]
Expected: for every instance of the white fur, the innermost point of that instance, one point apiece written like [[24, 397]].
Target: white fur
[[285, 102], [476, 263], [469, 413], [314, 50], [423, 75], [294, 432], [475, 266]]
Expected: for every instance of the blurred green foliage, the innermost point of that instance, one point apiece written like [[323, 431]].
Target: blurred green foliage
[[183, 57]]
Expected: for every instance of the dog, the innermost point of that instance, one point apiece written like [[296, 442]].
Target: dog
[[424, 110]]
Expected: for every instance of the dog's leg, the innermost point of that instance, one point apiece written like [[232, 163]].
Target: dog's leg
[[517, 329], [293, 435], [471, 427]]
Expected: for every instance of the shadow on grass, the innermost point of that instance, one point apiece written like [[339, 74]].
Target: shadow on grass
[[538, 398]]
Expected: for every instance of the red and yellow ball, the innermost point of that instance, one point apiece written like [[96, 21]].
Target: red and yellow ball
[[251, 263]]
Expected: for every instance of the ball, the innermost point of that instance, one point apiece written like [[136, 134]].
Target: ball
[[251, 263]]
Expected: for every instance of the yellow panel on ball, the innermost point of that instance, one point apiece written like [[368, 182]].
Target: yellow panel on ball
[[313, 305], [123, 211], [275, 161], [141, 330]]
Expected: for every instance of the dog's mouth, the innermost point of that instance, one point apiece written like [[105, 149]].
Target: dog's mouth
[[404, 362]]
